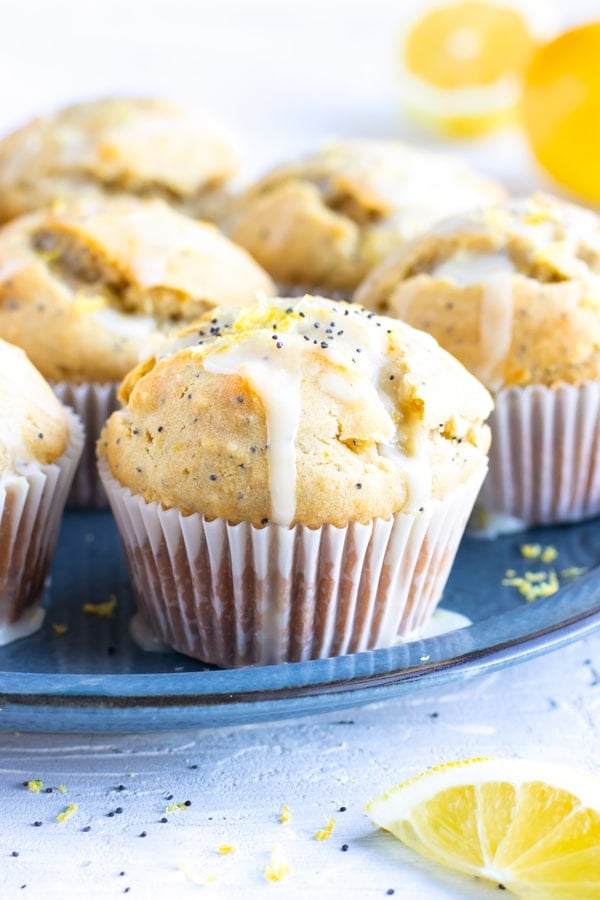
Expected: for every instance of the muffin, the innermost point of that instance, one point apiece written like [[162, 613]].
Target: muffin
[[325, 221], [148, 147], [40, 445], [292, 481], [83, 287], [514, 293]]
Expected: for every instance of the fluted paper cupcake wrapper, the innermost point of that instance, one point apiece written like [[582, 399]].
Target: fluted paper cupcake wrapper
[[93, 403], [545, 454], [237, 595], [31, 507]]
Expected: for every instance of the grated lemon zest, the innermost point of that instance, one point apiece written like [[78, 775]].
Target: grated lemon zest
[[278, 867], [194, 877], [57, 628], [35, 786], [549, 554], [65, 814], [105, 610], [325, 833], [531, 551], [573, 571], [224, 849], [535, 584], [174, 807], [62, 789], [285, 814]]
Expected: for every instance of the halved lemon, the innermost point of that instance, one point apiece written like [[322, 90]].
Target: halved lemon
[[561, 101], [532, 827], [461, 62]]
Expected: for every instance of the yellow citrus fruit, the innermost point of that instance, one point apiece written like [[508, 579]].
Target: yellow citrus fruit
[[532, 827], [561, 103], [461, 63]]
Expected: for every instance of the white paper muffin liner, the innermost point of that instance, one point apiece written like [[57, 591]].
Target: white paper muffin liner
[[236, 595], [93, 403], [545, 454], [31, 507]]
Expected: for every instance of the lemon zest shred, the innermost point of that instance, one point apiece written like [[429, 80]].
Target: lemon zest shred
[[194, 877], [174, 807], [549, 554], [535, 584], [62, 789], [59, 628], [573, 571], [278, 867], [285, 815], [325, 833], [105, 610], [224, 849], [66, 813], [35, 786], [531, 551]]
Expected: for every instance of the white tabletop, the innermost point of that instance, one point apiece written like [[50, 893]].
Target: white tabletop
[[286, 75], [237, 780]]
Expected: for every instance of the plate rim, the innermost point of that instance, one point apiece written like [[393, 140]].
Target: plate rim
[[463, 652]]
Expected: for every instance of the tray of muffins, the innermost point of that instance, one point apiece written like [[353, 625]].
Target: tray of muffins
[[245, 432]]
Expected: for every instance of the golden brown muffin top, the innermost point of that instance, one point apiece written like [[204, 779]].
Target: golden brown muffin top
[[146, 146], [84, 285], [324, 221], [298, 411], [34, 428], [513, 291]]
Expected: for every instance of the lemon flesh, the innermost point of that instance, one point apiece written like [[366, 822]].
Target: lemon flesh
[[532, 827], [560, 108]]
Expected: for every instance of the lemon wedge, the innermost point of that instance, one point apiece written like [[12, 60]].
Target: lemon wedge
[[532, 827], [560, 105], [461, 63]]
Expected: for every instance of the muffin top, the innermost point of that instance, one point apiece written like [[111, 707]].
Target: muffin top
[[298, 411], [326, 220], [512, 291], [83, 286], [145, 146], [34, 428]]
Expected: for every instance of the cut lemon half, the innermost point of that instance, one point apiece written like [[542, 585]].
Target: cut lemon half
[[461, 62], [531, 827], [561, 99]]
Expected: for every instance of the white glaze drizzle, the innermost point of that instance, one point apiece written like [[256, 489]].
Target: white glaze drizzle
[[467, 267], [30, 621], [125, 325], [276, 379], [358, 343], [495, 327]]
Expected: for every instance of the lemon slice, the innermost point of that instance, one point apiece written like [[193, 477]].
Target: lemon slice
[[532, 827], [560, 109], [461, 63]]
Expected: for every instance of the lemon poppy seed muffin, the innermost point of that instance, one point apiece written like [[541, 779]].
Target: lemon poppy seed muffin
[[40, 444], [145, 146], [83, 286], [309, 467], [514, 293], [326, 220]]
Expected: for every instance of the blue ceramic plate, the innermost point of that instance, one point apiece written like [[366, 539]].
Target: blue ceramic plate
[[93, 678]]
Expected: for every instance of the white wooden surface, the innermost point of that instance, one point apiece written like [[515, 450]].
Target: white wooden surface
[[285, 75]]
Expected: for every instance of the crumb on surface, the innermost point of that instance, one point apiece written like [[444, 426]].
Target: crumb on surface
[[59, 628]]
